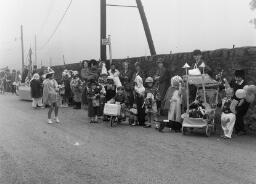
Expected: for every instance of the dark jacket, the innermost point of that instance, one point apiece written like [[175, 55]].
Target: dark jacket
[[36, 89]]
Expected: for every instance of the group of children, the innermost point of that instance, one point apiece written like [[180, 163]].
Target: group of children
[[136, 102]]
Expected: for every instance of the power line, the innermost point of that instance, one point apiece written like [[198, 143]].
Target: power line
[[123, 6], [57, 26]]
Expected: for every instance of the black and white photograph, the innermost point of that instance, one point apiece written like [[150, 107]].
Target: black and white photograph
[[127, 91]]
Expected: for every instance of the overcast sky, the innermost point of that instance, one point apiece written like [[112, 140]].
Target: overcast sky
[[176, 25]]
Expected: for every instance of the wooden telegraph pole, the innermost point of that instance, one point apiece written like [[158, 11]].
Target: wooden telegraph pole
[[146, 27], [103, 29], [22, 49]]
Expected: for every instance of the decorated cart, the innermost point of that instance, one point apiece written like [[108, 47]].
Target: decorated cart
[[202, 117]]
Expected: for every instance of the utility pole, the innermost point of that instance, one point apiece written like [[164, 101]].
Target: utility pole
[[22, 49], [103, 29], [146, 27], [63, 58], [35, 52]]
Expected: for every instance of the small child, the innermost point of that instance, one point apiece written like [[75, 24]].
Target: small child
[[228, 116], [133, 112], [51, 95], [150, 101], [93, 96], [121, 99]]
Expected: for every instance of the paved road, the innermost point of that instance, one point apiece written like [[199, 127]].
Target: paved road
[[33, 152]]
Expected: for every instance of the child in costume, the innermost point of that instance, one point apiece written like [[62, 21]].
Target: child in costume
[[121, 99], [173, 99], [93, 96], [133, 113], [51, 95], [151, 94], [228, 116], [36, 91], [102, 81], [139, 99]]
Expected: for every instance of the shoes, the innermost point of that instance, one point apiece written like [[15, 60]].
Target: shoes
[[50, 121], [57, 120]]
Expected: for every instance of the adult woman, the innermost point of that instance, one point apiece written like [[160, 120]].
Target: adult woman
[[162, 80], [126, 74], [36, 91], [138, 72], [113, 72]]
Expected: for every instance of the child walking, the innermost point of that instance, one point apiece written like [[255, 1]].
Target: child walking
[[51, 95], [150, 101]]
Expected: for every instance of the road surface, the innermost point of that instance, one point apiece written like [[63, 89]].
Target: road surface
[[76, 152]]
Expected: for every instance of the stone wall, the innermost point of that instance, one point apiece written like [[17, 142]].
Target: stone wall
[[222, 59]]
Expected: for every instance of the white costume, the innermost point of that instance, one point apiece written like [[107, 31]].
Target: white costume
[[174, 112]]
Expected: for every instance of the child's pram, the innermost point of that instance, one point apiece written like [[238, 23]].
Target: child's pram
[[207, 88], [114, 111]]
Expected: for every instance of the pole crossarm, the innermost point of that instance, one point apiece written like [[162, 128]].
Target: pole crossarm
[[123, 6]]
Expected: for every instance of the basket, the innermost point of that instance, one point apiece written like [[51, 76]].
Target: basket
[[112, 109]]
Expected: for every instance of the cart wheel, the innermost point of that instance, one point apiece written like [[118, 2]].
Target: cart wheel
[[208, 131], [184, 130]]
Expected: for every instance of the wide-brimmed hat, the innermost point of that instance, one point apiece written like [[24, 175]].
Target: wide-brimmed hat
[[48, 71]]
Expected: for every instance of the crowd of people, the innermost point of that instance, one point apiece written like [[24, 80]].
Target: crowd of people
[[143, 99], [9, 80]]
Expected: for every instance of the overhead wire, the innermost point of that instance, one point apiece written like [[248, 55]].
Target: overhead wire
[[58, 24]]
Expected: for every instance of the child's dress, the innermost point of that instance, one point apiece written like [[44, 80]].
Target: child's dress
[[93, 96], [228, 118], [174, 112], [50, 92], [150, 100]]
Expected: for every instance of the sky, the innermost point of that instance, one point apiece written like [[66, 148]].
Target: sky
[[176, 26]]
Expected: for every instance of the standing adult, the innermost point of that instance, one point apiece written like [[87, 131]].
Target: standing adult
[[84, 77], [162, 80], [197, 55], [76, 87], [126, 80], [241, 110], [36, 91], [126, 74], [138, 72], [114, 73]]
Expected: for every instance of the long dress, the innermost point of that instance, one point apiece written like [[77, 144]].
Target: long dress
[[227, 118], [174, 112]]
